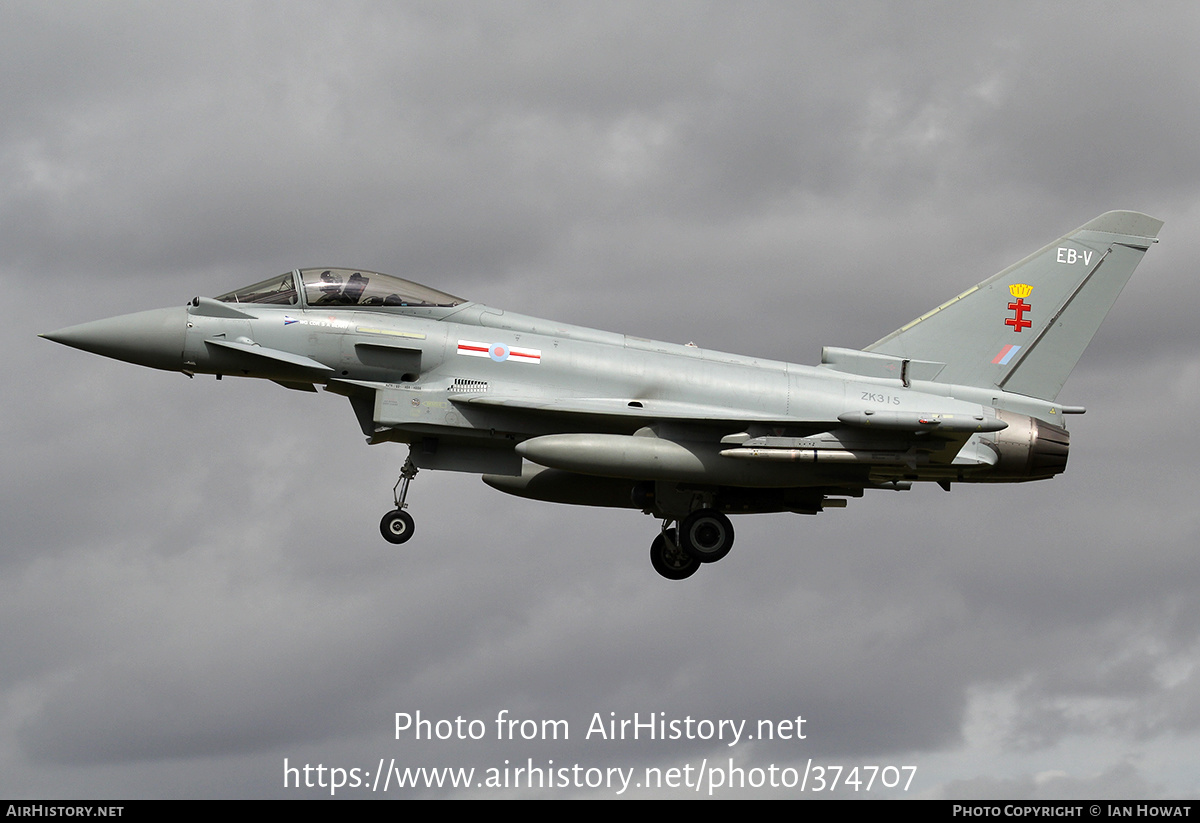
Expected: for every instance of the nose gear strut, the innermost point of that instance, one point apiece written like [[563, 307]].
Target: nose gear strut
[[397, 526]]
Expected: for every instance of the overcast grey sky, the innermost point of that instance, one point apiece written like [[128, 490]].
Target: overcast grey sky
[[193, 585]]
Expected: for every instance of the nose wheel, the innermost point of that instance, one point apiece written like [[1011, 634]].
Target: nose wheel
[[397, 526]]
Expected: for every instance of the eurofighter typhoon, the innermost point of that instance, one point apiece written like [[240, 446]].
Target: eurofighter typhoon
[[966, 393]]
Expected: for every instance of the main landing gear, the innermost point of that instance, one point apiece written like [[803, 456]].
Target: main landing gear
[[397, 526], [704, 536], [668, 559]]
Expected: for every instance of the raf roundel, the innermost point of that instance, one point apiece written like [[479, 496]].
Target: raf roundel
[[498, 352]]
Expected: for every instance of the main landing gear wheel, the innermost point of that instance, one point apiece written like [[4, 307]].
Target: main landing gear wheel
[[706, 535], [669, 560], [397, 526]]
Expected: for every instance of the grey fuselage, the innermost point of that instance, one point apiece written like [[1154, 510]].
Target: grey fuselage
[[967, 392], [597, 404]]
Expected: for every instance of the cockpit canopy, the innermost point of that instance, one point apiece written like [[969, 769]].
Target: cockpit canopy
[[340, 288]]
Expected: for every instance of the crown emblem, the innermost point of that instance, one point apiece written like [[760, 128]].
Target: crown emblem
[[1020, 290]]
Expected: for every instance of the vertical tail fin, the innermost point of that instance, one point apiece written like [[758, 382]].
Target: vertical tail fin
[[1024, 329]]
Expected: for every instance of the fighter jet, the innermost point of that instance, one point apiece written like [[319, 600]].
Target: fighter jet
[[966, 393]]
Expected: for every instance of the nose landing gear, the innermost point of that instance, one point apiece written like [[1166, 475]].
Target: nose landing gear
[[397, 526]]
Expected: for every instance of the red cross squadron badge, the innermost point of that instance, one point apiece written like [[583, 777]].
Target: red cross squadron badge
[[1019, 307]]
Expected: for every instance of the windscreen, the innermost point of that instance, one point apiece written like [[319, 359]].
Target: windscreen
[[280, 290]]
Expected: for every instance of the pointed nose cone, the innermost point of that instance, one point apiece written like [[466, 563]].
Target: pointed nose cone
[[149, 338]]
